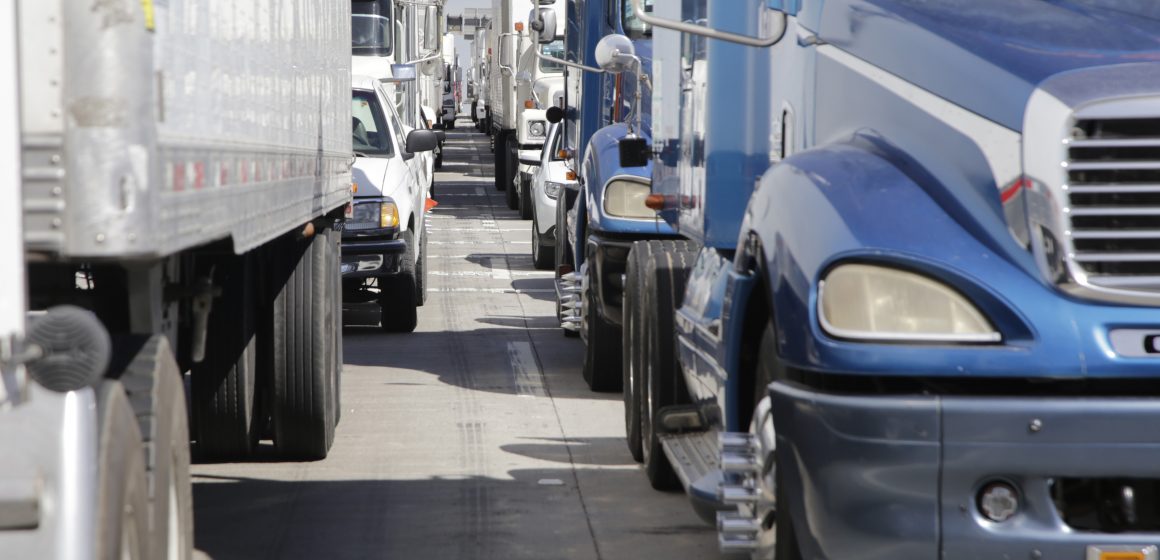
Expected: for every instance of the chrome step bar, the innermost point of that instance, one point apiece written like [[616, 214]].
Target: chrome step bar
[[568, 293]]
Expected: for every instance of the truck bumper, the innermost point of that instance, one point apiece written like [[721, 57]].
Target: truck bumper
[[895, 476], [608, 254], [48, 476]]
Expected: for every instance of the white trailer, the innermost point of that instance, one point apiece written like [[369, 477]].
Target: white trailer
[[507, 42], [185, 167]]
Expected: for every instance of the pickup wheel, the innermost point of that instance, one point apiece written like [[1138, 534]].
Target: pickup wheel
[[421, 270], [525, 199], [543, 253], [398, 297], [602, 342], [665, 274], [631, 361], [224, 384], [305, 317], [153, 384], [123, 489], [512, 170]]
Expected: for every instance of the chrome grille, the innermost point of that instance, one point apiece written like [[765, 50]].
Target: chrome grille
[[1113, 188]]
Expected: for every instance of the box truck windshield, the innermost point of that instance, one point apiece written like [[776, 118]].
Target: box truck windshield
[[370, 28]]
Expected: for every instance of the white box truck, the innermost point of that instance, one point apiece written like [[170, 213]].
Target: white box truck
[[507, 42], [184, 171]]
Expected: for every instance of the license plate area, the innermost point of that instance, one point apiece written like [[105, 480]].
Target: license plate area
[[1121, 552]]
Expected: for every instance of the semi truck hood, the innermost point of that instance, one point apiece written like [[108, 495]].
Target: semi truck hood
[[989, 56], [550, 90]]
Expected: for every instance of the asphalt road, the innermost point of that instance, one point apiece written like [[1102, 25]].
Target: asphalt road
[[472, 438]]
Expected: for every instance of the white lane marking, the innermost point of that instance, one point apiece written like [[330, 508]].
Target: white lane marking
[[477, 229], [486, 274], [521, 257], [480, 242], [443, 194], [527, 372], [491, 290]]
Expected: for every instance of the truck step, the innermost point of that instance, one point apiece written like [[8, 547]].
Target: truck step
[[693, 456]]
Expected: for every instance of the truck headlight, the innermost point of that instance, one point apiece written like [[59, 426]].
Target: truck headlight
[[552, 188], [536, 129], [625, 199], [875, 303]]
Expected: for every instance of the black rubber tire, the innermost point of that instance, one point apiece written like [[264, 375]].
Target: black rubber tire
[[421, 269], [525, 199], [397, 293], [303, 355], [498, 147], [335, 268], [224, 384], [563, 255], [123, 486], [631, 359], [512, 194], [601, 368], [543, 254], [666, 273], [449, 125], [438, 165], [152, 381]]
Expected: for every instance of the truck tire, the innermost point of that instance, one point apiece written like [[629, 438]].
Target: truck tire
[[335, 269], [123, 491], [304, 320], [224, 383], [512, 169], [421, 270], [153, 384], [398, 299], [602, 343], [563, 254], [666, 272], [543, 252], [525, 199], [499, 148], [778, 542], [631, 360]]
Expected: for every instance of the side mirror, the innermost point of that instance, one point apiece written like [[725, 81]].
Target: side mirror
[[432, 32], [554, 114], [421, 141], [634, 152], [544, 24], [615, 54], [401, 73]]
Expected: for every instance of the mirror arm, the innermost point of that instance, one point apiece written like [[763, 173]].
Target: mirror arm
[[429, 57], [577, 65], [638, 8]]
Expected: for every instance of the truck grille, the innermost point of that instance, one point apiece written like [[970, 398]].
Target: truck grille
[[1113, 186]]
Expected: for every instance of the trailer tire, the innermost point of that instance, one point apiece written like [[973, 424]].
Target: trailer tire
[[304, 320], [633, 312], [123, 489], [602, 349], [224, 384], [525, 199], [152, 382], [543, 253], [512, 170], [335, 269], [666, 273], [398, 300]]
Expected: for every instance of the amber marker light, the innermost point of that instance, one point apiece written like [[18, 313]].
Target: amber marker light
[[655, 202], [519, 26], [571, 176], [529, 104]]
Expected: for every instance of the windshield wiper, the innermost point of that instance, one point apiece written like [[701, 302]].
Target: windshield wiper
[[360, 154]]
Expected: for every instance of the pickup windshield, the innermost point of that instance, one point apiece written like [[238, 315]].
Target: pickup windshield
[[370, 27], [370, 135], [634, 28], [554, 49]]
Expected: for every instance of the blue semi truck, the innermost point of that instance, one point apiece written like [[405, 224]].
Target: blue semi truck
[[601, 220], [915, 299]]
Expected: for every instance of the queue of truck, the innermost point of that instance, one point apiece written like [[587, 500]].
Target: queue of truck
[[877, 278]]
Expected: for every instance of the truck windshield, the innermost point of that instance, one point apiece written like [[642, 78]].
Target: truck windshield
[[370, 135], [370, 27], [634, 28], [554, 49]]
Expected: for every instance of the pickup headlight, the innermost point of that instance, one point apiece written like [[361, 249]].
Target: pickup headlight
[[552, 189], [373, 214], [624, 198], [875, 303], [536, 129]]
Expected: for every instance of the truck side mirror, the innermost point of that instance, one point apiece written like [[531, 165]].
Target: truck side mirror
[[421, 141], [615, 54], [554, 114], [401, 73], [544, 24], [634, 152], [432, 38]]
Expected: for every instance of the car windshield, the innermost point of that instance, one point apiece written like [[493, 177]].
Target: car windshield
[[370, 134], [554, 49], [634, 28], [370, 27]]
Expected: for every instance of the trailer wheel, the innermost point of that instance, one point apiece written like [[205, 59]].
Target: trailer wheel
[[123, 494], [543, 254], [602, 343], [335, 268], [632, 345], [398, 300], [664, 287], [511, 171], [224, 383], [499, 148], [304, 320], [421, 270], [525, 199], [152, 382]]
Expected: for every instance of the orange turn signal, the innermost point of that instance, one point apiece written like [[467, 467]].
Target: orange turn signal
[[529, 104], [519, 26], [571, 176], [655, 202], [562, 154], [354, 187]]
